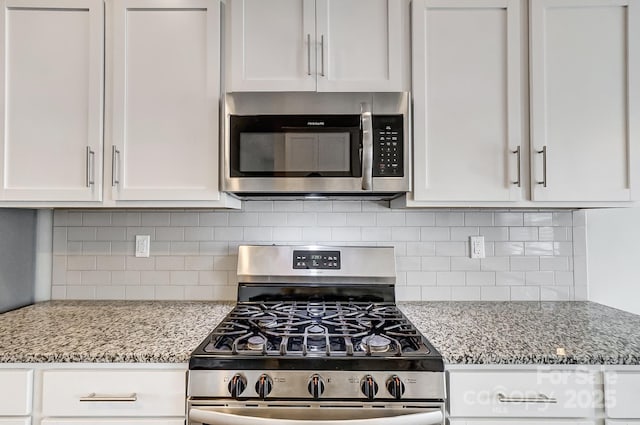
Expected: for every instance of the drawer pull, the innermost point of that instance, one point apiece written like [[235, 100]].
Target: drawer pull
[[540, 399], [93, 397]]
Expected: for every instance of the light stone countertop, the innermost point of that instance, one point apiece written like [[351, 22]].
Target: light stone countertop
[[528, 332], [107, 331], [464, 332]]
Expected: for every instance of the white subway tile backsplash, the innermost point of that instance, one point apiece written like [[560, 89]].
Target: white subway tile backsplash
[[530, 254], [538, 219], [433, 264], [468, 293], [481, 279], [155, 219], [465, 264], [111, 234], [438, 293], [495, 293], [421, 278], [507, 249], [525, 293], [125, 219], [198, 233], [523, 233], [448, 219], [450, 278], [75, 262], [96, 219], [508, 219], [494, 264], [478, 219], [184, 219]]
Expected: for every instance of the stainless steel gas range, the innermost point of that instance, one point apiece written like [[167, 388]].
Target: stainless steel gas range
[[316, 338]]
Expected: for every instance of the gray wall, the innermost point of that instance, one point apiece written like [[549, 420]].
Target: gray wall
[[17, 258]]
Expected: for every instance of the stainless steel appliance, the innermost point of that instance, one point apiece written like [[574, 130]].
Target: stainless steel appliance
[[317, 144], [316, 338]]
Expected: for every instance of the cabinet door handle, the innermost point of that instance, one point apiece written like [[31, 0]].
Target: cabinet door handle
[[115, 166], [543, 152], [308, 54], [322, 55], [542, 398], [91, 159], [93, 397], [518, 182]]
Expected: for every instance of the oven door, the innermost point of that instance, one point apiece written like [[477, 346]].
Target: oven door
[[299, 153], [316, 414]]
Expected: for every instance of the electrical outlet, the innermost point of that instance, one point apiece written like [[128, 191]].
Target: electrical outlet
[[477, 246], [143, 245]]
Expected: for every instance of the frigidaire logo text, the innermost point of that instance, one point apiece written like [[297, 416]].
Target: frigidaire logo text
[[316, 123]]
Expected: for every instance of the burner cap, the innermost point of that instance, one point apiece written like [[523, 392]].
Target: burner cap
[[316, 309], [364, 322], [315, 329], [256, 343], [268, 322], [376, 343]]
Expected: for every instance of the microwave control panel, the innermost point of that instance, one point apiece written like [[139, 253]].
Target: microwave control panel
[[388, 146]]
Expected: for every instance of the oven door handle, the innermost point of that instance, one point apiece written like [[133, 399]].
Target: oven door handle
[[220, 418], [367, 146]]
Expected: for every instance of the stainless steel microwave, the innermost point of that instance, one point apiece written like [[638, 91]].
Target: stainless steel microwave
[[317, 144]]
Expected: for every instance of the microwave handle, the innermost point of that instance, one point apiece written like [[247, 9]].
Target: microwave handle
[[367, 146]]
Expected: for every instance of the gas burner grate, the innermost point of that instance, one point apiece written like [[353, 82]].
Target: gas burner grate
[[355, 329]]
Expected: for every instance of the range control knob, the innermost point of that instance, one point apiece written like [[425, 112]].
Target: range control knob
[[316, 386], [395, 387], [237, 385], [264, 385], [369, 387]]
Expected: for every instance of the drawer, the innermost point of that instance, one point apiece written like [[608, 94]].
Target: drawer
[[520, 394], [16, 389], [518, 422], [15, 421], [617, 422], [622, 393], [85, 421], [114, 393]]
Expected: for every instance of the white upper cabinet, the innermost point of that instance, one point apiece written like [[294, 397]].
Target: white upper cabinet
[[51, 85], [164, 95], [318, 45], [468, 76], [585, 100]]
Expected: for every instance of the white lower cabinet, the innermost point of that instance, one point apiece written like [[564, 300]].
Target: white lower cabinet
[[518, 422], [16, 395], [15, 421], [113, 393], [622, 392], [85, 421], [513, 397]]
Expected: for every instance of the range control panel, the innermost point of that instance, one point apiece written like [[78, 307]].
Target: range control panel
[[316, 260], [387, 146]]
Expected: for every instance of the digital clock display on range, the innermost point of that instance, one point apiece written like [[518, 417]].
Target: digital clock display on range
[[329, 260]]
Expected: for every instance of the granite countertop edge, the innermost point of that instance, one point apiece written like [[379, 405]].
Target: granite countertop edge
[[465, 333]]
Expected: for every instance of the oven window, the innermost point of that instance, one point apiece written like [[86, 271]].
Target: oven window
[[294, 152]]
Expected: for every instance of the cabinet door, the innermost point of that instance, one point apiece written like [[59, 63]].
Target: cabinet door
[[272, 45], [165, 93], [361, 45], [468, 101], [51, 84], [585, 93], [86, 421]]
